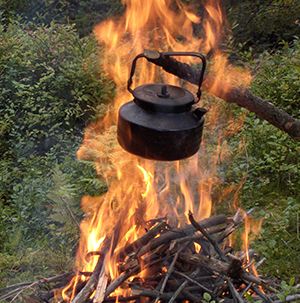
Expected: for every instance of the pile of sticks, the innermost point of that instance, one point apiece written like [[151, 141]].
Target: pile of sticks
[[174, 268]]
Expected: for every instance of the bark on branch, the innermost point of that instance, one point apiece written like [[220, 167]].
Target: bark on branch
[[238, 95]]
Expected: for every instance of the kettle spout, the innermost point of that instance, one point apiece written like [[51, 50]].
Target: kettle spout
[[200, 112]]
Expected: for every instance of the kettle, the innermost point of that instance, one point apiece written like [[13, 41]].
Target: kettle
[[161, 122]]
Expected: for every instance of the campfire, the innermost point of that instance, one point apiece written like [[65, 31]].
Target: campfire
[[176, 265], [155, 235], [152, 237]]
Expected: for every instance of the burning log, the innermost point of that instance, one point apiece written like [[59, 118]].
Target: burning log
[[238, 95]]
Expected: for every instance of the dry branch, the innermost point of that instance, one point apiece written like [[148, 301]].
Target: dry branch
[[207, 236], [13, 291], [90, 286], [238, 95]]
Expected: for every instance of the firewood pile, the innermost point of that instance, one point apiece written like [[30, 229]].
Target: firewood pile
[[177, 269]]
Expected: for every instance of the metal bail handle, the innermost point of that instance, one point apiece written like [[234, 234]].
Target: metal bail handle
[[154, 55]]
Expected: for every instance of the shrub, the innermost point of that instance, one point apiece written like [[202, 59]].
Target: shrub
[[84, 14], [270, 162], [263, 24], [50, 86]]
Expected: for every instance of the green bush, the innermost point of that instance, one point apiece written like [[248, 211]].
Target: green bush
[[51, 85], [278, 79], [84, 14], [263, 24], [270, 163]]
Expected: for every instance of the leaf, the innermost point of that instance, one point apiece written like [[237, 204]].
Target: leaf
[[207, 297]]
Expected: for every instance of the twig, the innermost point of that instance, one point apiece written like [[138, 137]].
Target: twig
[[178, 291], [16, 289], [69, 210], [180, 233], [260, 262], [125, 275], [251, 278], [171, 269], [143, 293], [167, 276], [234, 292], [193, 281], [261, 294], [136, 245], [237, 220], [90, 286], [246, 289], [101, 286], [15, 286], [207, 236]]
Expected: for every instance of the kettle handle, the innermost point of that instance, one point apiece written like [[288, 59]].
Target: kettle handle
[[154, 55]]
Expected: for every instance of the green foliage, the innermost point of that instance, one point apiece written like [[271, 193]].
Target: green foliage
[[271, 164], [287, 288], [276, 158], [207, 298], [279, 78], [279, 241], [50, 87], [84, 14], [52, 83], [263, 24]]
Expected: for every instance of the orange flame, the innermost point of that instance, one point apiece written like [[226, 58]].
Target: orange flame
[[140, 190], [251, 230]]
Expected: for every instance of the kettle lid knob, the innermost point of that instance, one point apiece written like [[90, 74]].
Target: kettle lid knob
[[164, 92]]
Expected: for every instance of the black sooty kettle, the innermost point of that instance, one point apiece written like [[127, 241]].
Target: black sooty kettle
[[161, 123]]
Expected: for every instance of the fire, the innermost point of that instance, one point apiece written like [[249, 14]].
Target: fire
[[148, 178], [251, 230], [138, 189]]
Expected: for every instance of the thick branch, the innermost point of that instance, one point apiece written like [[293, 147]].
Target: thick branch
[[241, 96]]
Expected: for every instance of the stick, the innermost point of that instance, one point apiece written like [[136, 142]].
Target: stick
[[238, 95], [143, 293], [237, 220], [251, 278], [17, 289], [179, 233], [125, 275], [261, 294], [101, 287], [207, 236], [210, 263], [167, 276], [178, 291], [136, 245], [234, 292], [90, 286], [171, 269], [193, 281]]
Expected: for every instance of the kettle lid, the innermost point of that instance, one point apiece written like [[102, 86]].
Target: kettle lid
[[163, 98]]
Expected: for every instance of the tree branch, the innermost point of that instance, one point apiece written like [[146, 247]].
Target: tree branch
[[238, 95]]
